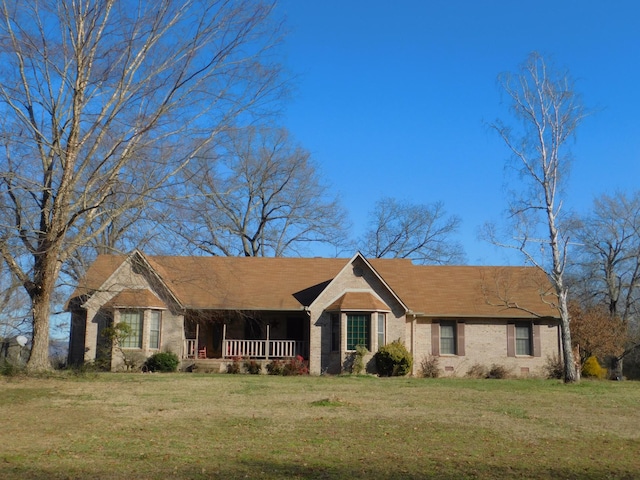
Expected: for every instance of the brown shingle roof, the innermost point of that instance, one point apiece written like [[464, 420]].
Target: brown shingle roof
[[358, 301], [470, 291], [136, 298], [260, 283]]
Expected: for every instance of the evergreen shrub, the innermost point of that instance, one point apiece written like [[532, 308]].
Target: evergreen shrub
[[393, 359], [162, 362]]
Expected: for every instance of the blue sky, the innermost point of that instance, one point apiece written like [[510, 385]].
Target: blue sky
[[393, 98]]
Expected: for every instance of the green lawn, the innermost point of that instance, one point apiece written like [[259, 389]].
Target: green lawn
[[124, 426]]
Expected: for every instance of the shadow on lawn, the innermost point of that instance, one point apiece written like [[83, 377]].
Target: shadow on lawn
[[447, 470]]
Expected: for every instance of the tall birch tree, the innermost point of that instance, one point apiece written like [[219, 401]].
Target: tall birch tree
[[106, 99], [547, 111]]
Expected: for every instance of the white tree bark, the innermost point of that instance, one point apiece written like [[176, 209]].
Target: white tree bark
[[548, 111]]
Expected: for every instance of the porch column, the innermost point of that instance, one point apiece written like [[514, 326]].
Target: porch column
[[224, 340], [266, 353]]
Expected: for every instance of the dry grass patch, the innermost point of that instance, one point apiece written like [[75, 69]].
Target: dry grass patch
[[122, 426]]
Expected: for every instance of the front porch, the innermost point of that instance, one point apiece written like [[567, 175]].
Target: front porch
[[256, 349], [266, 336]]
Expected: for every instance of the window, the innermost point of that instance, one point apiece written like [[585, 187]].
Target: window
[[381, 329], [133, 318], [154, 329], [448, 338], [358, 331], [335, 332], [523, 339]]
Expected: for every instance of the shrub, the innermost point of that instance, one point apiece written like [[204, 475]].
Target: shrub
[[593, 369], [477, 371], [133, 361], [234, 367], [497, 371], [162, 362], [253, 367], [393, 359], [554, 367], [430, 367], [296, 366], [8, 369], [275, 367], [357, 365]]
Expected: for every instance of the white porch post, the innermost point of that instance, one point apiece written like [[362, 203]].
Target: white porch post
[[266, 353], [224, 340]]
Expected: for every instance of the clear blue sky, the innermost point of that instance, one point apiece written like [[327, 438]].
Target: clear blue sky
[[393, 98]]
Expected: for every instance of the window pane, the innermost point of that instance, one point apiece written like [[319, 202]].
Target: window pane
[[133, 318], [523, 339], [381, 322], [358, 331], [154, 329], [448, 338]]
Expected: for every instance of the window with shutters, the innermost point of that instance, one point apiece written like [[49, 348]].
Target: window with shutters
[[523, 338], [447, 337]]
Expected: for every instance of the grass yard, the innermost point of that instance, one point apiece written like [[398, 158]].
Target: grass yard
[[194, 426]]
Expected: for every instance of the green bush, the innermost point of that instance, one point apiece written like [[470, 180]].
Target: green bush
[[593, 369], [8, 369], [162, 362], [393, 359]]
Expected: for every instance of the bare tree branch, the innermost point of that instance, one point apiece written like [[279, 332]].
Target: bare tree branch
[[105, 100], [422, 233], [258, 195], [549, 111]]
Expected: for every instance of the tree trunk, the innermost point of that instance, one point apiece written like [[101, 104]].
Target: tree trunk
[[39, 357], [570, 375], [45, 275]]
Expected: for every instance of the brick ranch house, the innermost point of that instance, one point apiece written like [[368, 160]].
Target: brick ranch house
[[320, 308]]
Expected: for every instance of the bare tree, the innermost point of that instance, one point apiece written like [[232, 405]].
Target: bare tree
[[547, 111], [14, 311], [421, 232], [258, 194], [609, 261], [103, 99]]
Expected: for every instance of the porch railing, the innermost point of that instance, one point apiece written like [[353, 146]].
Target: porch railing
[[262, 348], [190, 347]]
